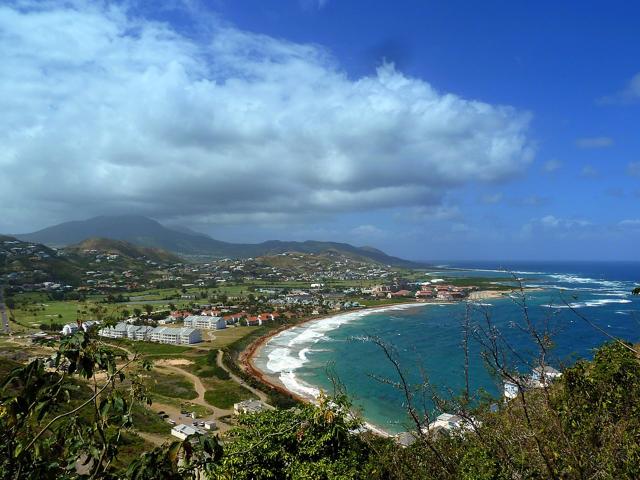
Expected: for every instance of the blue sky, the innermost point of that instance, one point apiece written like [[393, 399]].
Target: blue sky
[[433, 130]]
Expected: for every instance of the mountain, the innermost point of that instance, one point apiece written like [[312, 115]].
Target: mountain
[[146, 232]]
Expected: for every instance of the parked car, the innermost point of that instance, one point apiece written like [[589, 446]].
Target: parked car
[[171, 422]]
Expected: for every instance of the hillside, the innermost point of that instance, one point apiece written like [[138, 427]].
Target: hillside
[[143, 231], [125, 249], [33, 263]]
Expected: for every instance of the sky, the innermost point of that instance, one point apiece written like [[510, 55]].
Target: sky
[[432, 130]]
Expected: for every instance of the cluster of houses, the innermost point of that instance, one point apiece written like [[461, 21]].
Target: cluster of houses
[[212, 319]]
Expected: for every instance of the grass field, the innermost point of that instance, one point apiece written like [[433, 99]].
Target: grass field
[[200, 410], [224, 393], [172, 385], [146, 420], [149, 348]]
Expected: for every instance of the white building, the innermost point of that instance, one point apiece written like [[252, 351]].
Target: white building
[[451, 423], [176, 336], [183, 431], [118, 331], [205, 321], [248, 406], [69, 329]]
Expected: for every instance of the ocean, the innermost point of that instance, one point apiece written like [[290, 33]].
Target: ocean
[[428, 338]]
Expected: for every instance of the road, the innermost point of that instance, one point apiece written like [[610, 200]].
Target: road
[[258, 393]]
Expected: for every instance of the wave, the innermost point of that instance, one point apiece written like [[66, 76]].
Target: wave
[[293, 384], [571, 278], [288, 350], [588, 303]]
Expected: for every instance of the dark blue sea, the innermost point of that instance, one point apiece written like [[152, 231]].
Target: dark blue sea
[[428, 338]]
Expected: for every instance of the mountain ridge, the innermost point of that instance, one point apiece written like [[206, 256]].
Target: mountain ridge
[[146, 232]]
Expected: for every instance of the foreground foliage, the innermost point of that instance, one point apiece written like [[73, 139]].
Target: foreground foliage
[[75, 420]]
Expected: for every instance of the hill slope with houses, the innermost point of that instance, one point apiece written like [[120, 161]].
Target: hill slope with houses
[[146, 232]]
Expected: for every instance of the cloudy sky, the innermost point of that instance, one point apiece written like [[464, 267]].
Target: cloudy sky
[[432, 130]]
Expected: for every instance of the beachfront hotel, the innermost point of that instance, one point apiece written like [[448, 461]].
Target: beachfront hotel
[[205, 321]]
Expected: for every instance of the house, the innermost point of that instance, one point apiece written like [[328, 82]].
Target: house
[[446, 422], [399, 294], [176, 336], [405, 439], [183, 431], [543, 375], [253, 321], [210, 425], [425, 293], [69, 329], [248, 406]]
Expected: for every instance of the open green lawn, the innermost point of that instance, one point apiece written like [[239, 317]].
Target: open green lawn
[[224, 393], [169, 384], [229, 335], [149, 348]]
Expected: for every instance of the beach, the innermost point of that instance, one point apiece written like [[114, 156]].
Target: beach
[[247, 357]]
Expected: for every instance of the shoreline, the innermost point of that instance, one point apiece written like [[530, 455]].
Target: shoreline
[[273, 382], [247, 356]]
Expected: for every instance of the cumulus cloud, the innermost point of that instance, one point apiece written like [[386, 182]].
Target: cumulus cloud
[[105, 111], [629, 94], [594, 142]]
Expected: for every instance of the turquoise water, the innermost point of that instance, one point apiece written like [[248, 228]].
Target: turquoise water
[[428, 337]]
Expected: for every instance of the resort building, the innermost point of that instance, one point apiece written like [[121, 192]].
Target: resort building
[[205, 321], [117, 331], [176, 336]]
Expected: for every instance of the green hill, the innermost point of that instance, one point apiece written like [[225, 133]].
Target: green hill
[[143, 231]]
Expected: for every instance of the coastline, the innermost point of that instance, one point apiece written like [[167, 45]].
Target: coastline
[[246, 358], [272, 380]]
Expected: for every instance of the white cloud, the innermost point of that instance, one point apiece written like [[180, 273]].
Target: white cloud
[[107, 112], [629, 94], [633, 168], [551, 166], [492, 198], [594, 142], [367, 231], [589, 171], [553, 223], [630, 223]]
